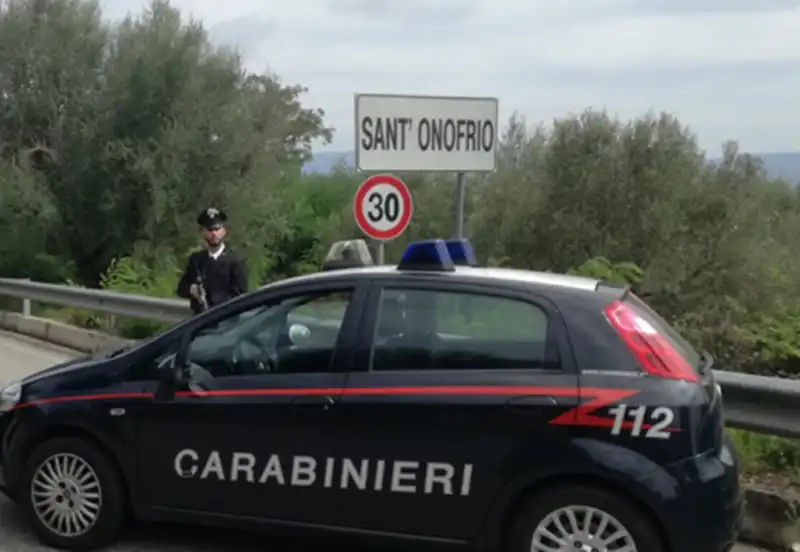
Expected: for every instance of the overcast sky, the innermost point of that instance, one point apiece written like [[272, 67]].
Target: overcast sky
[[727, 68]]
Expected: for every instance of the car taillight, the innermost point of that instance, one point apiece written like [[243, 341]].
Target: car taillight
[[651, 350]]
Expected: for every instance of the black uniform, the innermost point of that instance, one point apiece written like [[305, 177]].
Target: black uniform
[[223, 278]]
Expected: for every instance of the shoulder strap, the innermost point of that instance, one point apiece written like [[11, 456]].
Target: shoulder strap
[[200, 260]]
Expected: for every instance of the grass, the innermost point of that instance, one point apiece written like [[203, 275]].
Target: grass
[[768, 459]]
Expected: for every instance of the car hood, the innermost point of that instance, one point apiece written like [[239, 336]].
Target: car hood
[[74, 364]]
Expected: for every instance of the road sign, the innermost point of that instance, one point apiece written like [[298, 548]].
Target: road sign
[[382, 207], [425, 133]]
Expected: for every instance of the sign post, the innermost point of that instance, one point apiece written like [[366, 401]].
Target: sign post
[[461, 195], [427, 134], [382, 208]]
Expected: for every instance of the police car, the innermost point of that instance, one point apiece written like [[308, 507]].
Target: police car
[[433, 401]]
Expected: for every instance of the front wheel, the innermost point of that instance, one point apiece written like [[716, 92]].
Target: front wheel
[[582, 519], [74, 495]]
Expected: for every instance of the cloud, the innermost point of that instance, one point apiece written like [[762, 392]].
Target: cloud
[[407, 11], [693, 7], [246, 33], [727, 68]]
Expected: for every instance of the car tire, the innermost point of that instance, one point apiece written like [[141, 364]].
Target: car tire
[[89, 483], [534, 514]]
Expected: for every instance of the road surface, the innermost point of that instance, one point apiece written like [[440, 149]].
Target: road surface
[[21, 356]]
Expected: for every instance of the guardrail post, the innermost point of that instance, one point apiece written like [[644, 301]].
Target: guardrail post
[[26, 305]]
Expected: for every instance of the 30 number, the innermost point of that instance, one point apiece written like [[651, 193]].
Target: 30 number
[[383, 206], [661, 416]]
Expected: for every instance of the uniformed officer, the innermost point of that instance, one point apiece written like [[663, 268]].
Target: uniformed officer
[[216, 273]]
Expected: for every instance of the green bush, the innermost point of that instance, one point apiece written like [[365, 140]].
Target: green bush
[[145, 272], [766, 454], [603, 269]]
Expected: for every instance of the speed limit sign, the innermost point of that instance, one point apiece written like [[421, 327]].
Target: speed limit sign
[[382, 207]]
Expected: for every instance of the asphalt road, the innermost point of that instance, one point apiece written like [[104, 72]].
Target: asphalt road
[[20, 356]]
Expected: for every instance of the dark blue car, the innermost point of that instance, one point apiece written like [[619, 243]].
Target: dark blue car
[[434, 401]]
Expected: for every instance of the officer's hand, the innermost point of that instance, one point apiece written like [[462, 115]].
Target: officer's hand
[[194, 291]]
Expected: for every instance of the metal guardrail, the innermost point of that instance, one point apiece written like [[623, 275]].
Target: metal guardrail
[[761, 404], [756, 403], [111, 302]]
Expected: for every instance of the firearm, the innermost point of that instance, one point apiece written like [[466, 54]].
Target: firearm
[[202, 288]]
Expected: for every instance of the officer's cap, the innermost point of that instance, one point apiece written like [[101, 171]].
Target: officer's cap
[[212, 218]]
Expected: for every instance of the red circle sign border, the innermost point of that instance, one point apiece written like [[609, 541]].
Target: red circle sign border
[[405, 195]]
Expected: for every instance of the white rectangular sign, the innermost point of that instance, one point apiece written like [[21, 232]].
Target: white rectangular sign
[[425, 133]]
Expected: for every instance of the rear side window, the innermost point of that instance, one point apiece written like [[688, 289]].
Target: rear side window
[[675, 339], [436, 330]]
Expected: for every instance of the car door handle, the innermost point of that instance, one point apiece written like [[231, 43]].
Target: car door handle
[[528, 404], [320, 401]]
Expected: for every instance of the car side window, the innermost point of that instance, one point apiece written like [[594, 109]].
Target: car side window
[[295, 335], [438, 330]]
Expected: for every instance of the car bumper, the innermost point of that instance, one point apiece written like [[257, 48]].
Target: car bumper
[[7, 427], [707, 515]]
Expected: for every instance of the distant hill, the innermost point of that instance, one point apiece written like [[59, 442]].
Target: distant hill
[[778, 165], [783, 165], [324, 162]]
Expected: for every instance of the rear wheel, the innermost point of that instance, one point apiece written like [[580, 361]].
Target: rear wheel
[[582, 519], [74, 495]]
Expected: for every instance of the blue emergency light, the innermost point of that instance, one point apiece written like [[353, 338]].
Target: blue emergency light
[[461, 252], [437, 255]]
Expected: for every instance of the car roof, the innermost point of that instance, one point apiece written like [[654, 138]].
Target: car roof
[[509, 275]]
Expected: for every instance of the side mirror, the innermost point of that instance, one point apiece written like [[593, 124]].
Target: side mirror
[[172, 370], [179, 361], [169, 376], [299, 334], [167, 370], [182, 356]]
